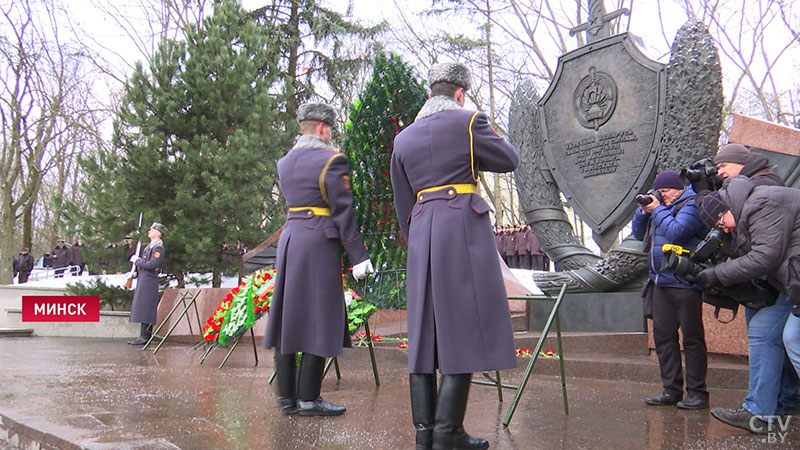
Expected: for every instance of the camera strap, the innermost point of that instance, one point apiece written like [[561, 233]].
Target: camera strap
[[677, 207]]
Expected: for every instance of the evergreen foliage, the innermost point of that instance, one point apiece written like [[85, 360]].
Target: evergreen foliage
[[386, 105], [195, 144], [320, 52], [111, 297]]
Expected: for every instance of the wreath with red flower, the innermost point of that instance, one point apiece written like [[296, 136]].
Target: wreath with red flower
[[246, 303], [240, 309]]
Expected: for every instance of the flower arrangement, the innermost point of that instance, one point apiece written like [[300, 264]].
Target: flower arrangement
[[528, 353], [364, 338], [240, 309], [247, 302]]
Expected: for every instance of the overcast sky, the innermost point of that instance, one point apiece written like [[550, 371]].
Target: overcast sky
[[644, 22]]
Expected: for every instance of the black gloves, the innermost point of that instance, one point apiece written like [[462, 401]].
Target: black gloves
[[707, 278]]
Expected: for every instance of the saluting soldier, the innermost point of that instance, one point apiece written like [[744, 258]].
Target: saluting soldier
[[307, 313], [144, 307], [458, 316]]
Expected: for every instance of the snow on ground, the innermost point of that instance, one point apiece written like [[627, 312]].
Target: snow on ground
[[116, 279], [45, 280]]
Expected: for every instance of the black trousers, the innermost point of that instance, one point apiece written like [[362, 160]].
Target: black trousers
[[675, 308]]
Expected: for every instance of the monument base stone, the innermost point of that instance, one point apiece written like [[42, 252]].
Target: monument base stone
[[611, 312]]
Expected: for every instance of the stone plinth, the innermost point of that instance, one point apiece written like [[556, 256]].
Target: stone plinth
[[11, 298], [112, 324], [725, 338], [597, 312], [765, 135]]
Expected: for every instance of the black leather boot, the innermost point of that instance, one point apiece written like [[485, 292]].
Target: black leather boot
[[144, 335], [285, 366], [423, 407], [309, 385], [448, 431]]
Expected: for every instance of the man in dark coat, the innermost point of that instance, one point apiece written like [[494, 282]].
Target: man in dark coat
[[765, 225], [144, 307], [24, 265], [676, 304], [736, 159], [307, 313], [76, 255], [458, 315], [61, 257]]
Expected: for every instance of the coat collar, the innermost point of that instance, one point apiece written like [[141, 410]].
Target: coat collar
[[156, 243], [309, 141], [437, 104]]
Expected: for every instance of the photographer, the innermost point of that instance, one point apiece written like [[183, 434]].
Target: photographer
[[673, 219], [736, 159], [765, 225]]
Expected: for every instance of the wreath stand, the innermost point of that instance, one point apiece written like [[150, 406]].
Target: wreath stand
[[335, 362], [520, 388], [211, 347], [184, 296]]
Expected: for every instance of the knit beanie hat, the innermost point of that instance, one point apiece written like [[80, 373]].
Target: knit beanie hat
[[711, 208], [732, 153], [668, 179]]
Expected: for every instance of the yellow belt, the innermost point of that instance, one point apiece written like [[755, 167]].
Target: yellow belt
[[313, 210], [458, 188]]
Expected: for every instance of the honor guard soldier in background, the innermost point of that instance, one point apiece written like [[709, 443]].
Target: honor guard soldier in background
[[307, 313], [458, 316], [145, 298]]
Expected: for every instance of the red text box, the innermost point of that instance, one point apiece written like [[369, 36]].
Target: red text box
[[66, 308]]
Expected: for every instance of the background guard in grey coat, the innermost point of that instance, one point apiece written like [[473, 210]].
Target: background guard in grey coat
[[458, 315]]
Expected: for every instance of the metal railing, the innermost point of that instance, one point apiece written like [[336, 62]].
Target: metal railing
[[49, 272]]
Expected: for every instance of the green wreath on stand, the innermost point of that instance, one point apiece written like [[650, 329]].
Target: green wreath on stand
[[246, 303]]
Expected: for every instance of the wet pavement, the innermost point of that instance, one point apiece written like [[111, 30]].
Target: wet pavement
[[66, 393]]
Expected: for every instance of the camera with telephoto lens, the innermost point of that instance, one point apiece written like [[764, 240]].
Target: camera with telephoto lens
[[711, 251], [702, 175], [647, 198]]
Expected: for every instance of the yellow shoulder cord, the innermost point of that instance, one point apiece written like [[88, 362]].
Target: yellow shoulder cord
[[322, 177], [471, 151]]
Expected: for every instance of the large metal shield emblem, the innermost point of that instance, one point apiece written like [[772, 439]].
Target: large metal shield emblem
[[601, 124]]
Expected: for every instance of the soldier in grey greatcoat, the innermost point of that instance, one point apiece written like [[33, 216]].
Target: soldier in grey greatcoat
[[145, 298], [458, 316], [307, 312]]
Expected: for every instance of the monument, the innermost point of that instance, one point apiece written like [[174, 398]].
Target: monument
[[609, 121]]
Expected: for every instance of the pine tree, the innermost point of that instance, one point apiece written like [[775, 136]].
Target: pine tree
[[196, 142], [387, 104], [321, 52]]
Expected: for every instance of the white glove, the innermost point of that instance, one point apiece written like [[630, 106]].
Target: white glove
[[134, 258], [361, 269]]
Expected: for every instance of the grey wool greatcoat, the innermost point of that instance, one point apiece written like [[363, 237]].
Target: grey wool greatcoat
[[145, 298], [458, 315], [307, 311]]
